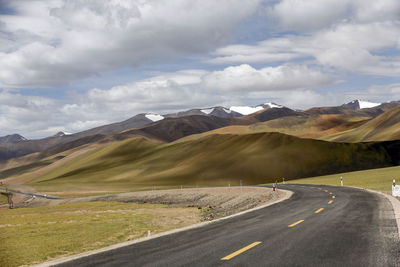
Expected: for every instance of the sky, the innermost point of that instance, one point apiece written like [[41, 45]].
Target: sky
[[73, 65]]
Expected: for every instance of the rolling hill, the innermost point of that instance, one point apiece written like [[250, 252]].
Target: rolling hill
[[305, 126], [139, 163], [382, 128]]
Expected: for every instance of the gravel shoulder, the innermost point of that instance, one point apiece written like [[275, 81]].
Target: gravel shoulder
[[213, 202]]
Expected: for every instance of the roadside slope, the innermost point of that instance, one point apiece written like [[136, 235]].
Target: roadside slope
[[385, 127], [139, 163]]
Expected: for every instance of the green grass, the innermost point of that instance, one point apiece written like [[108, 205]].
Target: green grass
[[32, 235], [3, 199], [376, 179]]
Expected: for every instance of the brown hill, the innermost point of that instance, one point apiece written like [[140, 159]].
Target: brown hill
[[382, 128]]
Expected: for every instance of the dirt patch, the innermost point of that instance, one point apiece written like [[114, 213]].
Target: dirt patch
[[212, 202]]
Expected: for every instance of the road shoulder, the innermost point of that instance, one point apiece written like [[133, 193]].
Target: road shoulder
[[395, 204]]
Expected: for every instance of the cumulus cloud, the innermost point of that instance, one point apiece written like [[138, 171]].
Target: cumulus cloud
[[54, 42], [354, 36], [311, 15], [165, 93], [245, 78]]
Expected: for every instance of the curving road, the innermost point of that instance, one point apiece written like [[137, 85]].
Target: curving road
[[317, 226]]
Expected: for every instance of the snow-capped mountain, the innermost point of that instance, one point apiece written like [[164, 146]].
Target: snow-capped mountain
[[247, 110], [154, 117], [360, 104], [220, 112], [60, 133], [272, 105], [12, 138]]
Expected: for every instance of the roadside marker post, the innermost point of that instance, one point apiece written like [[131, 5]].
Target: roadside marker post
[[274, 191], [148, 233], [395, 189], [341, 180]]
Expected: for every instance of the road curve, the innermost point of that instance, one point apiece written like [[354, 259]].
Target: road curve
[[317, 226]]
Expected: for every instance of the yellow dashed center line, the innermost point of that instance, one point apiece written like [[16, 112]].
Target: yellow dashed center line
[[319, 210], [326, 191], [333, 197], [296, 223], [234, 254], [330, 193], [330, 201]]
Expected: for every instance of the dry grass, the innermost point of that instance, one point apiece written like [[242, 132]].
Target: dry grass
[[32, 235]]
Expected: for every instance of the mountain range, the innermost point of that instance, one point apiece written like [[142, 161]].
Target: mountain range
[[259, 142], [170, 127]]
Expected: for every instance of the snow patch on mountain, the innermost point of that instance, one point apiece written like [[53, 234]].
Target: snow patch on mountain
[[273, 105], [207, 111], [246, 110], [366, 104], [227, 110], [154, 117]]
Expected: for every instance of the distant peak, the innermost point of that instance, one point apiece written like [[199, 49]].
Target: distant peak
[[60, 133], [360, 104], [12, 138], [154, 117], [272, 105], [207, 110], [246, 110]]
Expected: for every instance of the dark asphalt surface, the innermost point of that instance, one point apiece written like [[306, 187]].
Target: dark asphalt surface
[[357, 229]]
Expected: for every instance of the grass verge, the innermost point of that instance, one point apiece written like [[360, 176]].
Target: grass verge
[[34, 235], [376, 179]]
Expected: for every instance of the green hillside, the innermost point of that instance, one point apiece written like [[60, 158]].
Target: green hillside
[[140, 163]]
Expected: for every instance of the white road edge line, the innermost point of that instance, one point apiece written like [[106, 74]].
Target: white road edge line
[[143, 239]]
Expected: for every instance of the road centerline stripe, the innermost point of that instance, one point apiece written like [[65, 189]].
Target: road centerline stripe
[[330, 193], [333, 197], [234, 254], [296, 223], [319, 210], [330, 201]]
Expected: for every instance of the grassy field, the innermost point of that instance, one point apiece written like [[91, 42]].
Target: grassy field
[[376, 179], [3, 199], [33, 235]]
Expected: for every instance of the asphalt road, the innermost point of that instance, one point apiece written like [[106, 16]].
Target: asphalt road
[[351, 228]]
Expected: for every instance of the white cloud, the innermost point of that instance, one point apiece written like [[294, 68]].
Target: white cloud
[[244, 78], [54, 42], [311, 15], [356, 48], [308, 14]]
